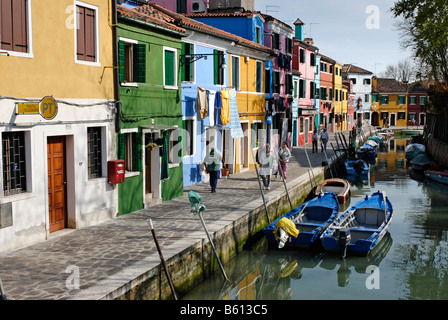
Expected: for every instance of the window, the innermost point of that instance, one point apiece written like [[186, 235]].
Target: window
[[14, 25], [289, 45], [331, 94], [275, 41], [375, 97], [267, 81], [312, 59], [401, 115], [401, 99], [187, 71], [175, 150], [295, 89], [312, 90], [302, 56], [412, 100], [302, 88], [276, 80], [258, 34], [170, 68], [423, 100], [353, 80], [94, 152], [190, 138], [14, 166], [218, 58], [301, 123], [289, 84], [236, 72], [259, 76], [331, 68], [86, 33], [129, 149], [366, 81], [132, 61], [366, 97]]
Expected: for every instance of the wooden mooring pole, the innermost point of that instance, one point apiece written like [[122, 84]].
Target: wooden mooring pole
[[161, 259]]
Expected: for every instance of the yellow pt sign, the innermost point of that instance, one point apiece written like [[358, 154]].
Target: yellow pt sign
[[48, 108]]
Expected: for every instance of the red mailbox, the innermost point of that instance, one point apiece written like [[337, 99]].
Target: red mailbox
[[115, 171]]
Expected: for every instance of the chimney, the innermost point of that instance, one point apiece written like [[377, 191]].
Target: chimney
[[299, 29], [309, 41]]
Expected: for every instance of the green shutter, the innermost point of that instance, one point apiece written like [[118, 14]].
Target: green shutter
[[169, 68], [121, 60], [216, 66], [121, 148], [140, 63], [137, 150], [182, 68]]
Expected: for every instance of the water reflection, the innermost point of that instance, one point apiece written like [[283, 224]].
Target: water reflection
[[411, 258]]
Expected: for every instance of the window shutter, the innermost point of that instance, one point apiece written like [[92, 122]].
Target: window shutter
[[182, 69], [80, 38], [137, 151], [169, 68], [140, 63], [216, 66], [19, 26], [121, 60], [121, 148], [90, 35], [6, 24]]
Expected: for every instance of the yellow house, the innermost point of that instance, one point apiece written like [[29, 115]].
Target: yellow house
[[392, 97], [338, 97], [344, 102], [57, 121], [246, 76]]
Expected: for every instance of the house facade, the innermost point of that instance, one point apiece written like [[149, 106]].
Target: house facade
[[57, 124], [150, 131], [362, 87], [417, 103], [326, 92], [392, 97], [340, 109]]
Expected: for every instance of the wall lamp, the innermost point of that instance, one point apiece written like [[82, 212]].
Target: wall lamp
[[190, 58]]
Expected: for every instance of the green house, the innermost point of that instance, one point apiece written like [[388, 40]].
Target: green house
[[149, 133]]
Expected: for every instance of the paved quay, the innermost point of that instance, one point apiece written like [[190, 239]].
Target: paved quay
[[105, 260]]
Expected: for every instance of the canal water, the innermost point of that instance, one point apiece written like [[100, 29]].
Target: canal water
[[410, 262]]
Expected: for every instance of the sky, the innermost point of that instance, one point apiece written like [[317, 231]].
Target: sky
[[355, 32]]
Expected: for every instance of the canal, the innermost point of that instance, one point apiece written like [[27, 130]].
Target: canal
[[409, 263]]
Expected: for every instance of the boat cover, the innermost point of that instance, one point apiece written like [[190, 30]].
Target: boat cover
[[288, 226]]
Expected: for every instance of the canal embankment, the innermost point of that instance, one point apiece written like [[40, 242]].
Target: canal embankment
[[119, 260]]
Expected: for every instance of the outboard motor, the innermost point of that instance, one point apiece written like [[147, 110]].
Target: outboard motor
[[344, 240], [283, 238], [358, 166]]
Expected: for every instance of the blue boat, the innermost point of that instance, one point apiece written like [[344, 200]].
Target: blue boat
[[366, 152], [439, 176], [356, 167], [304, 225], [359, 229]]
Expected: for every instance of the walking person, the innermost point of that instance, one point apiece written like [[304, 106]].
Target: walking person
[[267, 161], [284, 154], [315, 138], [212, 162], [324, 140]]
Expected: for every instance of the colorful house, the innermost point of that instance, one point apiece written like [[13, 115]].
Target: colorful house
[[347, 88], [58, 110], [150, 130], [339, 120], [304, 63], [248, 76], [392, 102], [326, 93], [362, 87], [417, 103]]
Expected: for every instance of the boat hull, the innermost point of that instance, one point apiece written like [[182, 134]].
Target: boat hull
[[371, 222], [339, 186], [350, 167], [315, 216], [439, 176]]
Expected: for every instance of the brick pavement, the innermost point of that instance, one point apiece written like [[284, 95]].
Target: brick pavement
[[115, 253]]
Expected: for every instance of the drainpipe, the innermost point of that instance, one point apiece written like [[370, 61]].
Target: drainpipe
[[116, 69]]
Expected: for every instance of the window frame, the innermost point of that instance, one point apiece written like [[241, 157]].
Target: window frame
[[190, 141], [99, 154], [237, 77], [29, 36], [259, 75], [97, 34], [25, 159]]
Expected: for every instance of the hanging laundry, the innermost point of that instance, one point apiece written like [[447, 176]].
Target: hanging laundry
[[225, 107], [235, 125], [218, 108], [201, 104]]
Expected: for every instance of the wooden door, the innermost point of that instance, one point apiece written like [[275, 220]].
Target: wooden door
[[56, 183]]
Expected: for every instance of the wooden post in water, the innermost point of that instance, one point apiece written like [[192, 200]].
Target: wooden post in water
[[161, 259]]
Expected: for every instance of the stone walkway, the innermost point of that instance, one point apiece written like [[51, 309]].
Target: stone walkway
[[95, 262]]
